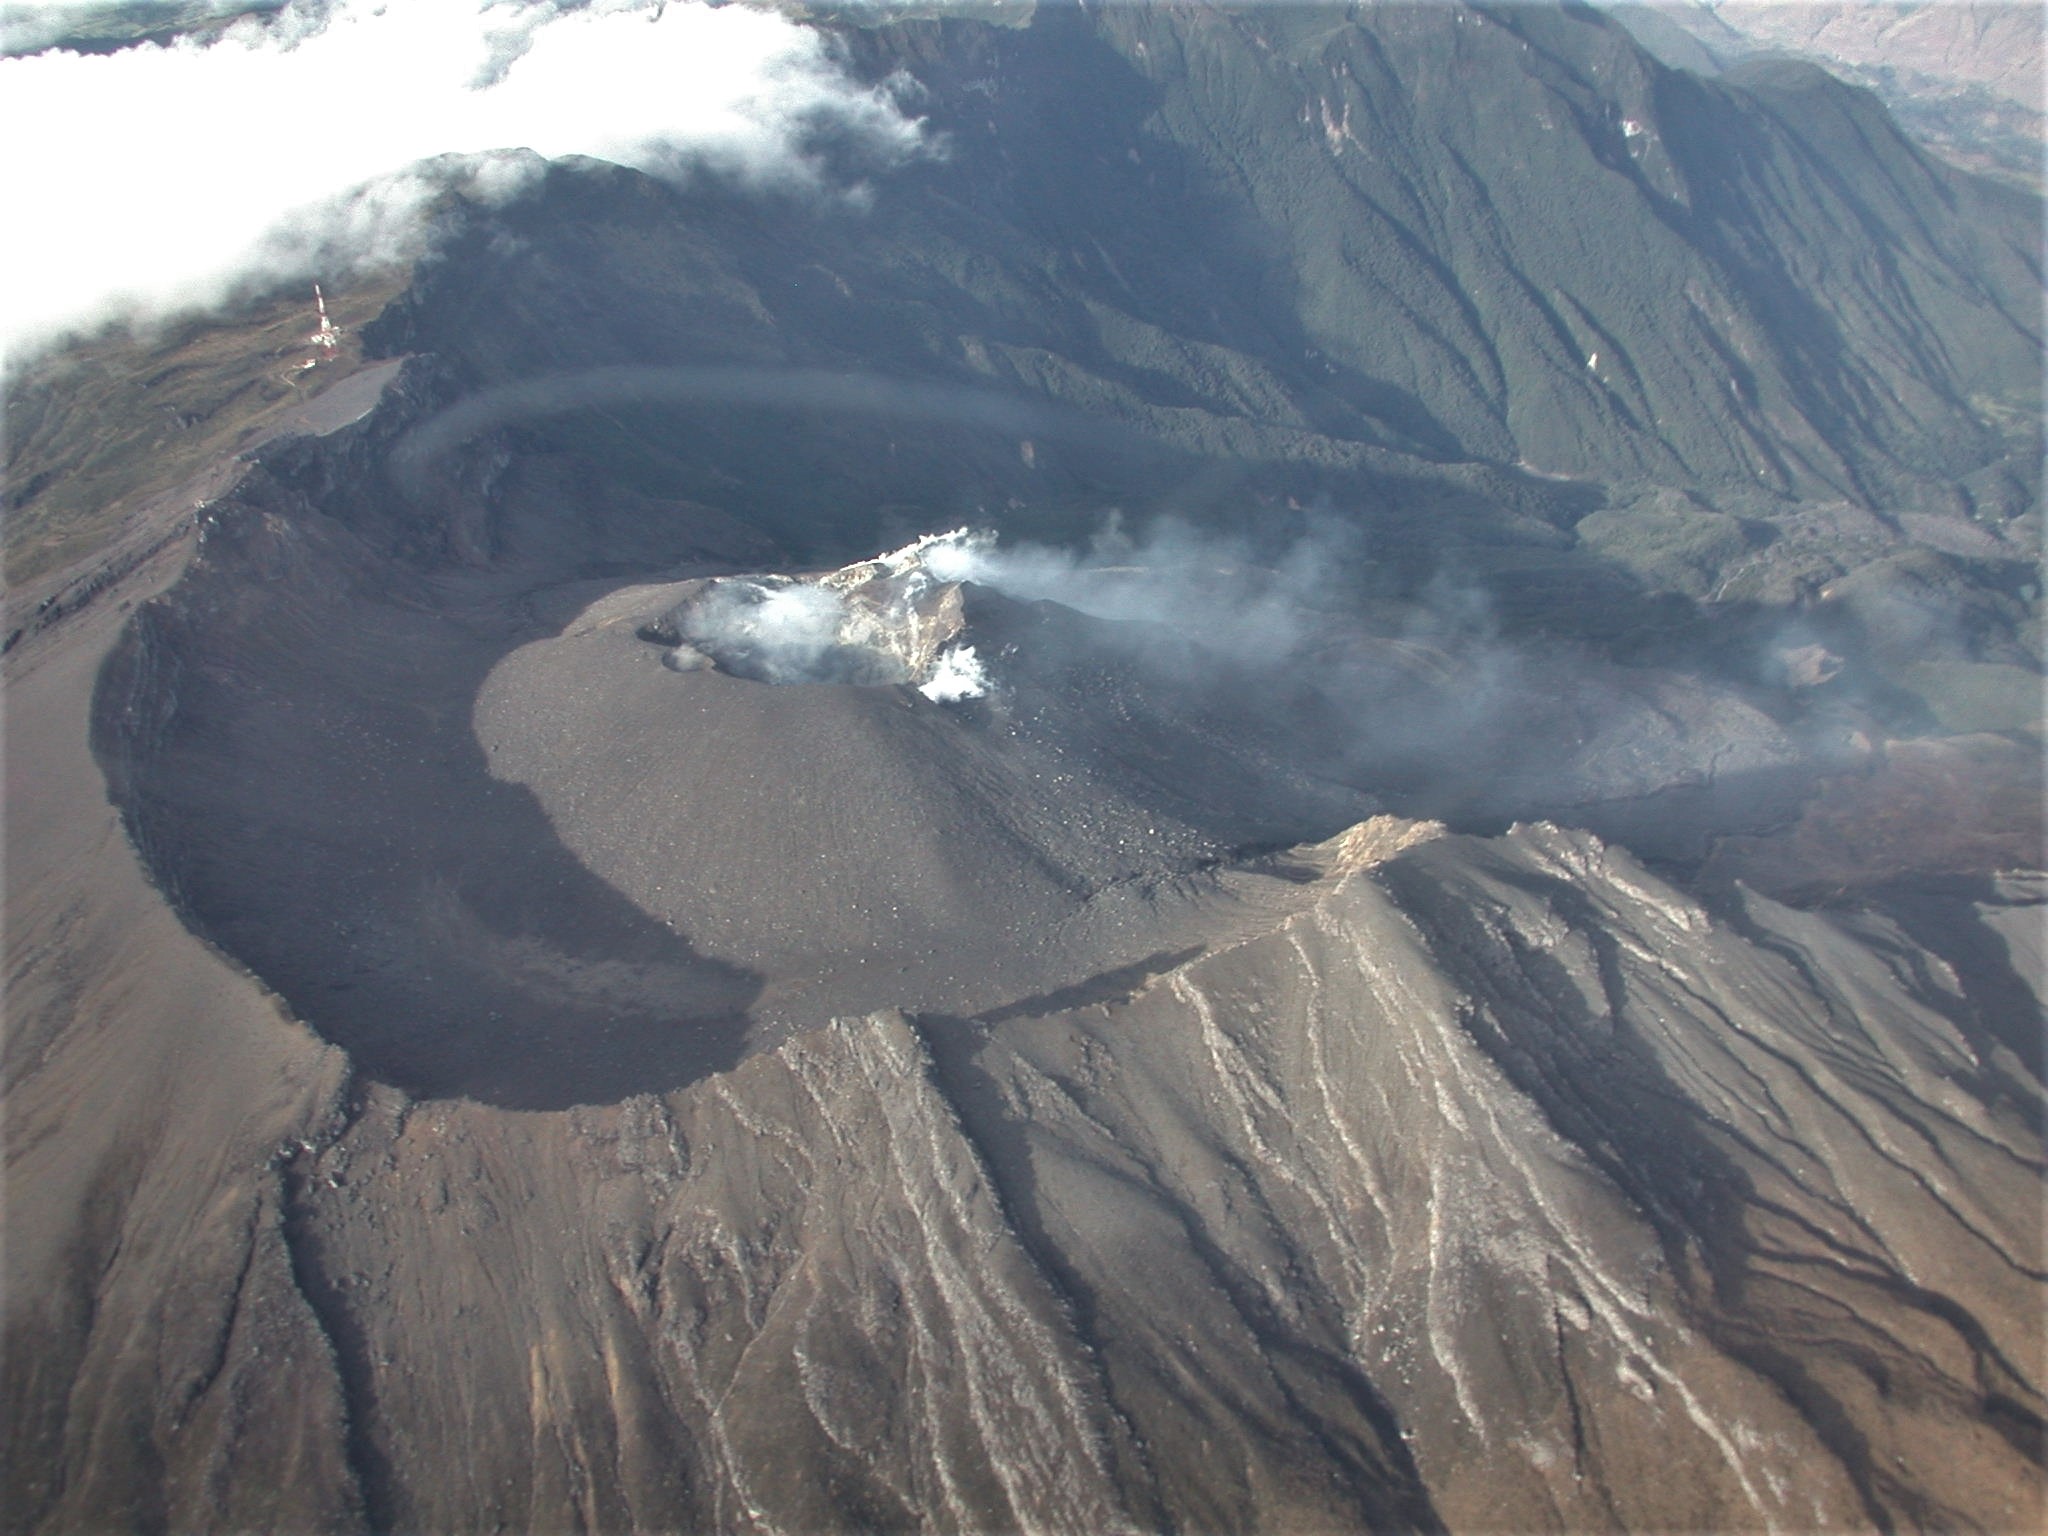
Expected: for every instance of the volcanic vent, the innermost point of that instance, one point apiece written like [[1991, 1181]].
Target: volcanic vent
[[896, 619]]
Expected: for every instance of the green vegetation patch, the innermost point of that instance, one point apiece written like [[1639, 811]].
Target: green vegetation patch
[[95, 427], [1966, 696], [1670, 543]]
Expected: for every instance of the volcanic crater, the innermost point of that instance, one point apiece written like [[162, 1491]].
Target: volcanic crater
[[540, 837]]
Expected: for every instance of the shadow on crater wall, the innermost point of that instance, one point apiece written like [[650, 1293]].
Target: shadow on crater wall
[[288, 735]]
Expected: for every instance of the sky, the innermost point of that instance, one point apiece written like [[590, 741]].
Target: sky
[[159, 180]]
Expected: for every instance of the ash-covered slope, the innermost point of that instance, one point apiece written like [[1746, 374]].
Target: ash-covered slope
[[1488, 1184], [1552, 1156]]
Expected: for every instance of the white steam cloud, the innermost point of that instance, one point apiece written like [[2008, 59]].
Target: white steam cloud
[[160, 179], [958, 674], [898, 618], [787, 633], [1207, 585], [890, 620]]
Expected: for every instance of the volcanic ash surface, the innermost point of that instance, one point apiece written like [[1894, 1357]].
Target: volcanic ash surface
[[820, 778]]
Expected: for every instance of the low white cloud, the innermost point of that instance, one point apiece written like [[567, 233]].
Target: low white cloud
[[159, 179], [26, 25]]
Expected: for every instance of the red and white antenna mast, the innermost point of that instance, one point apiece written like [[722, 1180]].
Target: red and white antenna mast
[[326, 341]]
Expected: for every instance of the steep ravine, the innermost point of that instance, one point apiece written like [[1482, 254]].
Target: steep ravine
[[1498, 1185]]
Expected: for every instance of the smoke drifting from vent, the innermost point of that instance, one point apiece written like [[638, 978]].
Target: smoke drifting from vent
[[779, 634], [1418, 697], [1415, 699], [890, 620], [162, 179], [1211, 587], [893, 619]]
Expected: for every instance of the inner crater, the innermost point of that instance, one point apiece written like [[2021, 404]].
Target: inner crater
[[893, 620]]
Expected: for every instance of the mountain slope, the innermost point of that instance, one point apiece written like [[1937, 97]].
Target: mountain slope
[[1496, 1183], [1964, 77], [1291, 220], [1484, 991]]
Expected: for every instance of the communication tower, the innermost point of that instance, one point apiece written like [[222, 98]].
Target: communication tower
[[325, 341]]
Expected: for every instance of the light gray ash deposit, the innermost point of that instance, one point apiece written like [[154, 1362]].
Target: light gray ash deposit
[[896, 619]]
